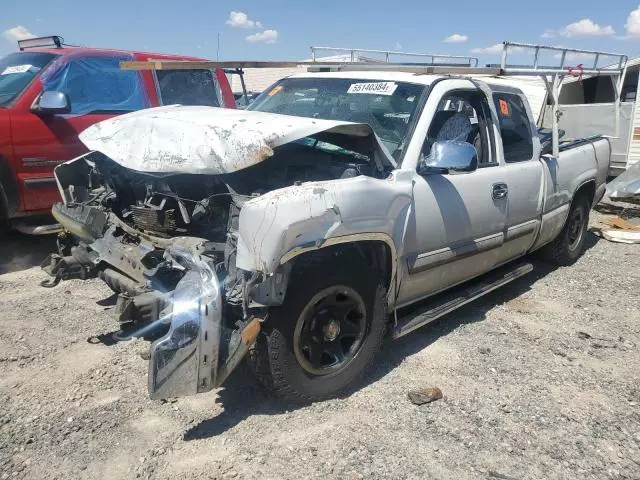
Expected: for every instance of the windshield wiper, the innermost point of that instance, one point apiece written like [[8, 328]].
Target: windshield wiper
[[331, 148]]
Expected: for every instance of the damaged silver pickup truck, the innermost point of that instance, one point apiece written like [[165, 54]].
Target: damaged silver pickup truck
[[341, 206]]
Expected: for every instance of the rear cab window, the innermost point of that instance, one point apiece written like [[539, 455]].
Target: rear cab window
[[515, 128], [188, 87]]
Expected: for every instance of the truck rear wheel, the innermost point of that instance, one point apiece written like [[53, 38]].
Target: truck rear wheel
[[325, 335], [567, 247]]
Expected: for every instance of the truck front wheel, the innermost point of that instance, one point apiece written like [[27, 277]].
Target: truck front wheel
[[567, 247], [325, 335]]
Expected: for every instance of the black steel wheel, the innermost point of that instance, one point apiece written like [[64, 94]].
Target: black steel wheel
[[567, 247], [330, 330], [575, 227], [326, 333]]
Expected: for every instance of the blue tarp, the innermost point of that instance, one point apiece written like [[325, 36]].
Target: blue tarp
[[96, 84]]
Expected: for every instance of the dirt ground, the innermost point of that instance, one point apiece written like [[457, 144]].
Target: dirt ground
[[540, 380]]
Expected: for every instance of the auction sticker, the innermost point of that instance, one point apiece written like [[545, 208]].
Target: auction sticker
[[275, 90], [504, 108], [375, 88], [16, 69]]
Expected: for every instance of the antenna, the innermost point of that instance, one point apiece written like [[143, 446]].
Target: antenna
[[218, 48]]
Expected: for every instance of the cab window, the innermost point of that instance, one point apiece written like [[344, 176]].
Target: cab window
[[462, 116], [515, 130], [188, 87]]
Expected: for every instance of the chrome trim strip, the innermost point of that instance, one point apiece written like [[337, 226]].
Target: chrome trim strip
[[39, 183], [40, 162], [434, 258], [521, 230]]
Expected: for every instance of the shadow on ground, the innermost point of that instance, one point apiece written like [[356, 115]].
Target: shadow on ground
[[242, 396], [20, 252]]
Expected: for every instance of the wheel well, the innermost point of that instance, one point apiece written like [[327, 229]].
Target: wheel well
[[9, 192], [587, 190], [374, 252]]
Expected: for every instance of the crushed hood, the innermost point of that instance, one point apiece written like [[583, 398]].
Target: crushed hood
[[209, 140]]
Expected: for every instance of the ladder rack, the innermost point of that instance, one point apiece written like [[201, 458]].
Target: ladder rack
[[553, 76], [458, 60]]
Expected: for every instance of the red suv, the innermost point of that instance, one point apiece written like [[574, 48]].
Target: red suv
[[49, 93]]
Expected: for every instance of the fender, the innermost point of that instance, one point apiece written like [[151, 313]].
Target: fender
[[282, 224]]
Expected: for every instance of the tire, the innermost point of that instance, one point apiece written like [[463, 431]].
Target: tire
[[5, 224], [285, 357], [567, 247]]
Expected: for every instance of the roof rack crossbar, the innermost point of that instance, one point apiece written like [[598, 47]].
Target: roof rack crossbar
[[554, 76], [469, 61], [516, 47]]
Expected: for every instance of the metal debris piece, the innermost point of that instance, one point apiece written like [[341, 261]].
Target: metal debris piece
[[626, 186], [426, 395]]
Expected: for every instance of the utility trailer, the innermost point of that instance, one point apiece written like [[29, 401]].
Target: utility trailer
[[586, 107]]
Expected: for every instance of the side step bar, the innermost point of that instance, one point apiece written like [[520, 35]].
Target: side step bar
[[28, 229], [459, 296]]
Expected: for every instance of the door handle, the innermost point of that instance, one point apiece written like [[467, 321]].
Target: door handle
[[500, 190]]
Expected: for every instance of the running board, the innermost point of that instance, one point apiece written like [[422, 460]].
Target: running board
[[28, 229], [447, 302]]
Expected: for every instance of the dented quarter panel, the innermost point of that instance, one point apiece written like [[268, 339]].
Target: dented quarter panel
[[280, 224]]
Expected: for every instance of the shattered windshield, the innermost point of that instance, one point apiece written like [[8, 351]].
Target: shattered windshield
[[17, 70], [388, 107]]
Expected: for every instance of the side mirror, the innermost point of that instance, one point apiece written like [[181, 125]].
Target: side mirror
[[53, 102], [450, 157]]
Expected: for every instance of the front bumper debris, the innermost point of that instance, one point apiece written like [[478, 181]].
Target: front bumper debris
[[185, 360]]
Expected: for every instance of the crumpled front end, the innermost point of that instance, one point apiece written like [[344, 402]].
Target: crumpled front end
[[166, 237], [170, 289]]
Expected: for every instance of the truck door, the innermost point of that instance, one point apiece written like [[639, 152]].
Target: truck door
[[97, 90], [457, 223], [522, 172]]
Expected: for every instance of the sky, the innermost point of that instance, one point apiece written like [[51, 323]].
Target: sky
[[278, 29]]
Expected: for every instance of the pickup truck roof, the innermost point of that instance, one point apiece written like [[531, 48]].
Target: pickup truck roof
[[64, 51], [417, 78], [374, 75]]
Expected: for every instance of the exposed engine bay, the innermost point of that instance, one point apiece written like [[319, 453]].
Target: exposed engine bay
[[145, 215]]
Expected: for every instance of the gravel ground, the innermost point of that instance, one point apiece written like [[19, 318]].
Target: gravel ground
[[540, 380]]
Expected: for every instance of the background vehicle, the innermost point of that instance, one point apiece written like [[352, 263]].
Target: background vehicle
[[50, 92], [303, 236], [244, 100]]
